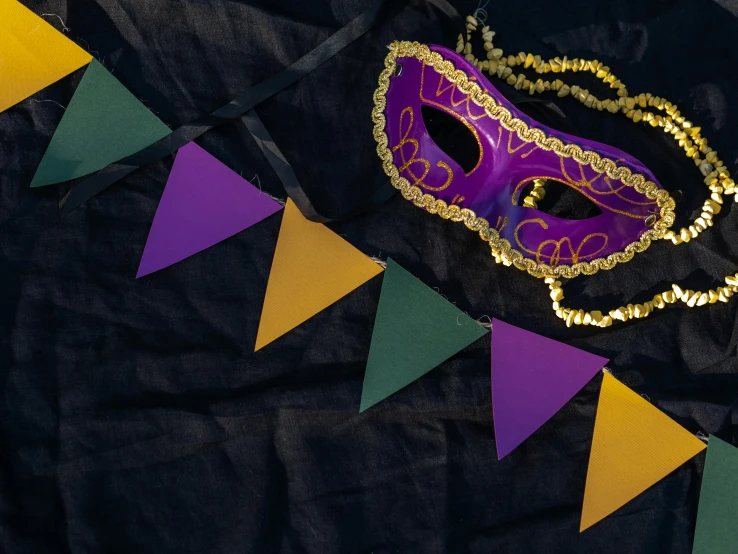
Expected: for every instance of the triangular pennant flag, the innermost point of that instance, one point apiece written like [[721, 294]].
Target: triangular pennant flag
[[532, 378], [204, 202], [33, 54], [634, 446], [312, 268], [103, 123], [415, 330], [717, 515]]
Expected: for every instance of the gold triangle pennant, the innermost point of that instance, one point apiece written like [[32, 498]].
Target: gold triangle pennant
[[33, 54], [312, 268], [634, 446]]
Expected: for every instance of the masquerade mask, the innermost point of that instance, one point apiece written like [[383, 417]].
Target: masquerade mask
[[515, 151]]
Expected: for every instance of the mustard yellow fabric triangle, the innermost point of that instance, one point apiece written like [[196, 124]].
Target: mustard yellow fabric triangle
[[33, 54], [312, 268], [634, 446]]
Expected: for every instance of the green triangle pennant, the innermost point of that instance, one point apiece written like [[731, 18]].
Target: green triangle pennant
[[103, 123], [717, 515], [415, 330]]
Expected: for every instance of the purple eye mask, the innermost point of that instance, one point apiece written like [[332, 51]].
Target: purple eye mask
[[514, 151]]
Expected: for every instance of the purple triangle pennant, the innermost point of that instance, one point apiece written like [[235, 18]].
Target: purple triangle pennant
[[532, 378], [204, 202]]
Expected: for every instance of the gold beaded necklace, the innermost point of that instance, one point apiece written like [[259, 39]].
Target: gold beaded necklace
[[716, 175]]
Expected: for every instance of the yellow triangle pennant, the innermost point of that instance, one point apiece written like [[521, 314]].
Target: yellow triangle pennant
[[634, 446], [33, 54], [312, 268]]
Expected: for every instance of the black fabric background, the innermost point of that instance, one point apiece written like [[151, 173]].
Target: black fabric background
[[134, 415]]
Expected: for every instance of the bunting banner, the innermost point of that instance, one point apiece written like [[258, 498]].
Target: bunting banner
[[415, 330], [634, 446], [103, 123], [717, 515], [33, 54], [312, 268], [532, 378], [204, 202]]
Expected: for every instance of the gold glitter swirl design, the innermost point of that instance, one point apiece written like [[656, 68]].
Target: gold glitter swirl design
[[555, 257], [407, 164], [501, 248]]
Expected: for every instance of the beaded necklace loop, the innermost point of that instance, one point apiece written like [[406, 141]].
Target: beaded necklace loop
[[689, 137]]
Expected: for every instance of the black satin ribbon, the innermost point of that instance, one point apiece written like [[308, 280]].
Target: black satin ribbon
[[234, 109], [291, 185], [241, 106]]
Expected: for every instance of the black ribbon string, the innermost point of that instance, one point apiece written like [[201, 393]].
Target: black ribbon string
[[240, 107]]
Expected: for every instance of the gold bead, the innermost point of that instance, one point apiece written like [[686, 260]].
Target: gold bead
[[692, 300], [557, 294], [703, 299], [669, 296], [677, 290], [711, 206], [621, 313], [570, 318], [602, 72]]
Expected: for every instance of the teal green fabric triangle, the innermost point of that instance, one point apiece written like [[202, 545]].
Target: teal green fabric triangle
[[415, 330], [717, 515], [103, 123]]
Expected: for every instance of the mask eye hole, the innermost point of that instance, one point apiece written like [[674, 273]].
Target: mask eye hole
[[557, 199], [452, 136]]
